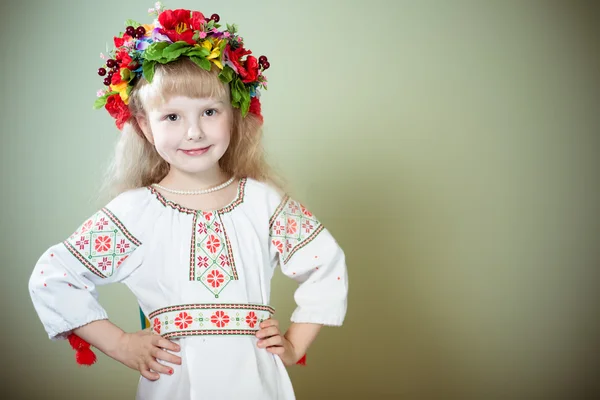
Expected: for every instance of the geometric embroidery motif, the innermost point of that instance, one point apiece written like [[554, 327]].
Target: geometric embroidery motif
[[102, 243], [209, 319], [211, 256], [292, 227]]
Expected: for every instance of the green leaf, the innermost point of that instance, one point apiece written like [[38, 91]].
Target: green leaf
[[101, 101], [148, 70], [132, 23], [126, 74], [154, 52], [173, 51], [226, 75], [201, 62], [197, 51]]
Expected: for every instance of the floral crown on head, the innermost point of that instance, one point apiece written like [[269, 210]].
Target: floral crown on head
[[175, 34]]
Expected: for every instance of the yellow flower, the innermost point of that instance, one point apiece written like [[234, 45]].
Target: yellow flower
[[122, 89], [215, 51], [149, 29]]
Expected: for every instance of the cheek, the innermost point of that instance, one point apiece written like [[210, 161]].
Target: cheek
[[165, 141]]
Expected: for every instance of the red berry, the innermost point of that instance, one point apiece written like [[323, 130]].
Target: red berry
[[115, 68], [266, 65], [110, 63], [130, 30], [215, 17], [262, 59], [110, 74], [139, 35], [107, 81], [140, 30], [101, 71]]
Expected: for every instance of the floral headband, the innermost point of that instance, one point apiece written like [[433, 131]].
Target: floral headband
[[175, 34]]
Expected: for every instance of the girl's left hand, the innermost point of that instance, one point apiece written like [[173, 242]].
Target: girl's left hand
[[271, 338]]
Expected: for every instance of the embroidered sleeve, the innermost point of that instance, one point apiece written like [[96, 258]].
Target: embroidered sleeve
[[102, 244], [63, 283], [307, 253], [292, 227]]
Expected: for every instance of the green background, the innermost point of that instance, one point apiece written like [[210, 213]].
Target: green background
[[451, 147]]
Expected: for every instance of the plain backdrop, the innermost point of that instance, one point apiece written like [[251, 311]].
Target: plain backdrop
[[450, 146]]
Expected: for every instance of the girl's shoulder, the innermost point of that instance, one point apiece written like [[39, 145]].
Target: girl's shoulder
[[129, 201], [266, 193]]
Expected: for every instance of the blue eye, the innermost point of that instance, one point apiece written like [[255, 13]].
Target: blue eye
[[210, 113]]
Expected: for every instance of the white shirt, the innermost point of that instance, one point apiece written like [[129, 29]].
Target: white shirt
[[201, 278]]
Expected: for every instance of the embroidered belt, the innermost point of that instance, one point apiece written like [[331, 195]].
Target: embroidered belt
[[209, 319]]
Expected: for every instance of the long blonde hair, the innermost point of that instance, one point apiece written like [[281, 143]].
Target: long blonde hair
[[136, 162]]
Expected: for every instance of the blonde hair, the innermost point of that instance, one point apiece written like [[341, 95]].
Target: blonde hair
[[136, 162]]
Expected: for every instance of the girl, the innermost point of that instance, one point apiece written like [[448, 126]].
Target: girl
[[196, 230]]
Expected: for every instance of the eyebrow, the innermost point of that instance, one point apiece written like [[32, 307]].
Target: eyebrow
[[166, 108]]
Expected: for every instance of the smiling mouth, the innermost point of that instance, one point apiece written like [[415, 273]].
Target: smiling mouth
[[196, 152]]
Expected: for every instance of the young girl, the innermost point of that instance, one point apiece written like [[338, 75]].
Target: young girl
[[196, 230]]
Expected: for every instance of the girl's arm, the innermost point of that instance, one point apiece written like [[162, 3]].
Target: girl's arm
[[138, 351], [290, 347], [301, 337]]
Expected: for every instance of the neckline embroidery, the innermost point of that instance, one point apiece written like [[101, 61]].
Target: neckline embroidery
[[239, 199]]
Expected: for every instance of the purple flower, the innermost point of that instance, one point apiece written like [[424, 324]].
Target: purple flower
[[142, 44], [159, 37]]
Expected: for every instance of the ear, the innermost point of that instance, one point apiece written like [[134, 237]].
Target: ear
[[145, 127]]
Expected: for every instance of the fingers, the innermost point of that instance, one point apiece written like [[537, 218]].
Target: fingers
[[160, 368], [269, 322], [166, 344], [267, 332], [152, 376], [166, 356], [272, 341]]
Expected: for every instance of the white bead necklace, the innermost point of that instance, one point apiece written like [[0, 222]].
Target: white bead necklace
[[204, 191]]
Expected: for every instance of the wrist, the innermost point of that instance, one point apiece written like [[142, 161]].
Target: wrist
[[116, 349], [297, 350]]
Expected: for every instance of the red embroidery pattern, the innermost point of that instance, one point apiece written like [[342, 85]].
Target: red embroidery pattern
[[102, 243], [209, 319], [292, 227]]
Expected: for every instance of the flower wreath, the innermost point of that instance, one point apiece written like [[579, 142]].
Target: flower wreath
[[175, 34]]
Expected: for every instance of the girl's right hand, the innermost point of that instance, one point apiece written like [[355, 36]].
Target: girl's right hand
[[141, 350]]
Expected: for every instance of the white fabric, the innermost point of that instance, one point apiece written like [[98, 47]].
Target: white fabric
[[144, 241]]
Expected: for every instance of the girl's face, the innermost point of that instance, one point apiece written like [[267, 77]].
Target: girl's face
[[191, 134]]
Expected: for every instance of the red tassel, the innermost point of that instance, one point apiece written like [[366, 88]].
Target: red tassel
[[85, 357], [83, 354], [302, 361]]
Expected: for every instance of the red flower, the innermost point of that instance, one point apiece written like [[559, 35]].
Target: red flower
[[292, 226], [278, 245], [179, 25], [235, 56], [183, 320], [255, 107], [251, 70], [120, 41], [116, 78], [102, 243], [156, 325], [213, 244], [305, 211], [117, 109], [124, 60], [215, 278], [251, 319], [220, 319]]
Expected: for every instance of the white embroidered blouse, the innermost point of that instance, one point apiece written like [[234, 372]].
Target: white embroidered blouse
[[202, 278]]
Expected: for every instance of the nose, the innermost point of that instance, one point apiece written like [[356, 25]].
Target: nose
[[195, 132]]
